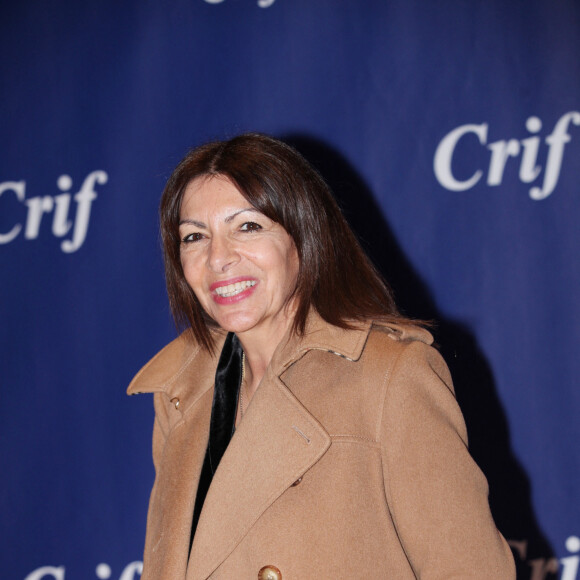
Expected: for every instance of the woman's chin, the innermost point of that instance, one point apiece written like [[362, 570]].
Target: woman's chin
[[236, 324]]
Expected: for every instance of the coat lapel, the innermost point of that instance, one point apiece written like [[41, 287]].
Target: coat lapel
[[276, 443]]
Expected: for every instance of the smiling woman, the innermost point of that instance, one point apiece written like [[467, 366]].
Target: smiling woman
[[242, 272], [274, 457]]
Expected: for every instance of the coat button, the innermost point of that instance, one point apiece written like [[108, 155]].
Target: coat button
[[269, 573], [297, 482], [175, 401]]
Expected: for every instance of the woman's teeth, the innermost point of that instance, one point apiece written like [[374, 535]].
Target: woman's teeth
[[233, 289]]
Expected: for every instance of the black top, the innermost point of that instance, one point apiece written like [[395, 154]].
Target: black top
[[228, 379]]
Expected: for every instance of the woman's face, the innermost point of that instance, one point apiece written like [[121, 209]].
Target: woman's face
[[241, 265]]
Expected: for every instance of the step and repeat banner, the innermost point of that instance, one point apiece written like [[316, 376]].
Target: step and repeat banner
[[450, 132]]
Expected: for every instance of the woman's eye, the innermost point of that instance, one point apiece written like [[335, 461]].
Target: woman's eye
[[195, 237], [250, 227]]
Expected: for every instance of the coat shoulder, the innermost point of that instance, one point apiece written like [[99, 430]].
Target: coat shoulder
[[387, 342], [403, 333]]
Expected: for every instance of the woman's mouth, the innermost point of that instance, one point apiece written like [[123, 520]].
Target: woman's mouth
[[234, 291]]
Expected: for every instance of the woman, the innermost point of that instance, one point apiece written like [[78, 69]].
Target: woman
[[341, 449]]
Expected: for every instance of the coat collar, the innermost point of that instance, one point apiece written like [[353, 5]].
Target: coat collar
[[319, 335], [163, 373]]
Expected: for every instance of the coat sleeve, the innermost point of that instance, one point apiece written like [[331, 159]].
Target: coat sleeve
[[437, 496], [160, 430]]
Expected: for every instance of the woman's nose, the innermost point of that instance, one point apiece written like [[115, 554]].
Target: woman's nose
[[221, 255]]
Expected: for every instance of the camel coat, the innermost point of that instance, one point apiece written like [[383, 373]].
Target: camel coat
[[351, 462]]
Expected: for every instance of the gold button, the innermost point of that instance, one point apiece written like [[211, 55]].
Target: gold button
[[175, 401], [297, 482], [269, 573]]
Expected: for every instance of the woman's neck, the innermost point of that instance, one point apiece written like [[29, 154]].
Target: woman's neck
[[258, 351]]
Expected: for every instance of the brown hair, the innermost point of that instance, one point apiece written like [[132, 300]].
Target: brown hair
[[335, 276]]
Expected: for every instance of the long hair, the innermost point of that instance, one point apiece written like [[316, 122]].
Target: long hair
[[335, 276]]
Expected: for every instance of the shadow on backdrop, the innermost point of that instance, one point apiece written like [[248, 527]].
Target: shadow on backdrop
[[489, 439]]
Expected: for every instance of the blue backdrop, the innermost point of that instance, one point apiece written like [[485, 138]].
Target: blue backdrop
[[450, 132]]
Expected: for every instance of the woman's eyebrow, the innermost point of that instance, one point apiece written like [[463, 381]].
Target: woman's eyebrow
[[227, 219], [192, 223], [232, 216]]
